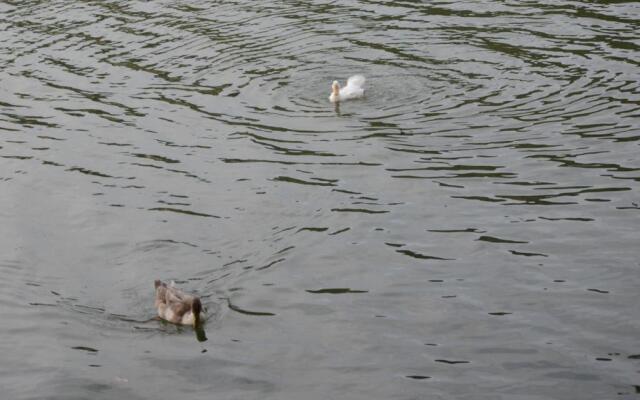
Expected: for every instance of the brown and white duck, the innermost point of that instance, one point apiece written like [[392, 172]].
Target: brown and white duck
[[177, 307]]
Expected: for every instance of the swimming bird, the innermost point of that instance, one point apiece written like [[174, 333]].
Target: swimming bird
[[177, 307], [354, 89]]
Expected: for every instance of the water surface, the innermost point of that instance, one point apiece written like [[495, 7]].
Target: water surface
[[468, 230]]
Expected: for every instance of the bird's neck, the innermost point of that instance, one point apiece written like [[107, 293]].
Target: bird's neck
[[196, 319]]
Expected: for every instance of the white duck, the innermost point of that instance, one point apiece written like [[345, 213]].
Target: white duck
[[354, 89]]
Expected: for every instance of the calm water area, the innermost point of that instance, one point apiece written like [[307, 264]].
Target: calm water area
[[470, 229]]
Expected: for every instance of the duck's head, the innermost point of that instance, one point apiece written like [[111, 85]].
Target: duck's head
[[196, 309], [335, 88]]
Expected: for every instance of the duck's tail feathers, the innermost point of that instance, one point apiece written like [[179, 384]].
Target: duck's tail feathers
[[356, 81]]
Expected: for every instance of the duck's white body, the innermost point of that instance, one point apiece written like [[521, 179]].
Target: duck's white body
[[354, 89]]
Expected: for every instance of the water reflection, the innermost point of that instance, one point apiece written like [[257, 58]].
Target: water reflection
[[200, 333], [482, 196]]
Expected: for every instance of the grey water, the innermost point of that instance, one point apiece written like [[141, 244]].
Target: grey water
[[467, 230]]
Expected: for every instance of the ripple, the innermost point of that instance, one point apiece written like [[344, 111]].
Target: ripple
[[85, 348], [181, 211], [248, 312], [492, 239], [336, 291], [452, 362], [421, 256], [493, 135], [527, 254], [418, 377]]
